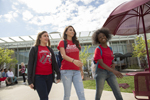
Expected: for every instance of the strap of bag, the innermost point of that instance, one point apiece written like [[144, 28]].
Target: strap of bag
[[101, 49], [101, 55], [65, 44]]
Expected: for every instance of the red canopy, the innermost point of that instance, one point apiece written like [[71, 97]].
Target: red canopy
[[126, 19], [131, 18]]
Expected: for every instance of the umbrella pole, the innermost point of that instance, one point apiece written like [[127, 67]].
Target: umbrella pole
[[145, 39], [147, 50]]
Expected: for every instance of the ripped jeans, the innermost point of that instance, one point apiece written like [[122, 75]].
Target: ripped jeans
[[69, 76]]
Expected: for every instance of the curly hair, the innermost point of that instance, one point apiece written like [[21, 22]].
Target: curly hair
[[105, 31], [74, 38]]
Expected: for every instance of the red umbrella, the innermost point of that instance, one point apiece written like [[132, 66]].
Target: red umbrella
[[130, 18]]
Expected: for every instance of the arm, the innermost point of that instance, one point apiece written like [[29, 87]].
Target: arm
[[118, 74], [64, 56], [20, 69], [113, 65], [8, 74], [55, 66], [30, 65], [82, 73], [3, 74]]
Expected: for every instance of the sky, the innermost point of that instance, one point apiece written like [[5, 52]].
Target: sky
[[28, 17]]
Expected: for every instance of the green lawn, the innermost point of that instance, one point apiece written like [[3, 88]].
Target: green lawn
[[90, 84]]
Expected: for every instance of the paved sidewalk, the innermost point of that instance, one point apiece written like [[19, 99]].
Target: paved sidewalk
[[23, 92]]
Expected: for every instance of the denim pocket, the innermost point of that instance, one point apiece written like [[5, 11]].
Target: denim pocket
[[63, 71], [100, 70]]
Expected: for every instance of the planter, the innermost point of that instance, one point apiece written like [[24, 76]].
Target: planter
[[132, 70]]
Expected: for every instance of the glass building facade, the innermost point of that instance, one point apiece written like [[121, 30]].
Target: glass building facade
[[119, 45]]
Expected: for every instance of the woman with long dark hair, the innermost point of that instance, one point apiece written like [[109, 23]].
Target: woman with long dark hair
[[71, 66], [41, 66]]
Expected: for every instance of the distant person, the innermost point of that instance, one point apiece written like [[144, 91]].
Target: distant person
[[11, 75], [42, 66], [8, 80], [0, 73], [4, 74], [22, 70], [1, 76], [105, 70]]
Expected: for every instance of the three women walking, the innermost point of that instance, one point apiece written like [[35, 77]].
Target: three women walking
[[42, 65]]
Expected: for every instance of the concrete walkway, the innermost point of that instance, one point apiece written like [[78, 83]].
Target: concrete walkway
[[23, 92]]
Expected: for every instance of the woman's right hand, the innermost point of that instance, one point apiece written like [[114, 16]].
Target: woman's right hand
[[78, 63], [118, 74], [31, 86]]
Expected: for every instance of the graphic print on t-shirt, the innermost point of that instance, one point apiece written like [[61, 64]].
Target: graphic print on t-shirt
[[71, 48], [45, 57]]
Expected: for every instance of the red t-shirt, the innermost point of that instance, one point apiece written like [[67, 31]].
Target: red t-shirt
[[107, 56], [44, 62], [71, 51]]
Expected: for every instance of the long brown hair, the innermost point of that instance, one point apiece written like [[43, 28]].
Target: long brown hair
[[74, 38], [38, 41]]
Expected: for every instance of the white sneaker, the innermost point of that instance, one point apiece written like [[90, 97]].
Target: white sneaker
[[24, 83]]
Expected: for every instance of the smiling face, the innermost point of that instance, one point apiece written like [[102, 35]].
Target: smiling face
[[102, 38], [70, 32], [44, 38]]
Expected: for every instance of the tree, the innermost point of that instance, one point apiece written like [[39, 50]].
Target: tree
[[6, 57], [140, 50], [84, 55]]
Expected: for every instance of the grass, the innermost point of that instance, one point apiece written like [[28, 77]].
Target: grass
[[90, 84], [133, 67]]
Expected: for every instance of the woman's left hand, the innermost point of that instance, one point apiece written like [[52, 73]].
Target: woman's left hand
[[82, 74], [57, 81], [113, 66]]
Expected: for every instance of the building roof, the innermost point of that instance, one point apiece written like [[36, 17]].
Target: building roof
[[28, 41], [52, 35]]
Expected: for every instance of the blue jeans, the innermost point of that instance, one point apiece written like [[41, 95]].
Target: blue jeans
[[43, 84], [101, 76], [13, 79], [72, 76]]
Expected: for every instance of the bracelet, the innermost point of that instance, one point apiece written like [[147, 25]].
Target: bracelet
[[72, 60]]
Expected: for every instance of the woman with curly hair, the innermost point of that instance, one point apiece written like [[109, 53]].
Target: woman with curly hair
[[105, 70], [71, 66]]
